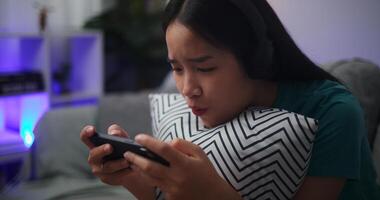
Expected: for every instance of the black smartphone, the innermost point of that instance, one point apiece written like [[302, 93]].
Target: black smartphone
[[121, 145]]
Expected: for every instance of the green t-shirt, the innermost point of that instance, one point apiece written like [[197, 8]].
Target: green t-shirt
[[340, 148]]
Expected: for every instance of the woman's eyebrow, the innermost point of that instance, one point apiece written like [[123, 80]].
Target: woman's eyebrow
[[200, 59], [196, 60]]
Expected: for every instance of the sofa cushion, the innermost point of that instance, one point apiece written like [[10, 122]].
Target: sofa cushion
[[263, 151], [362, 77], [129, 110]]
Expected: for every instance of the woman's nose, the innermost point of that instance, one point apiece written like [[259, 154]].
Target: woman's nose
[[191, 87]]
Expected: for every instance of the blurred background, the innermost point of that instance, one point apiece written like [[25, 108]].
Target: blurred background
[[132, 41], [69, 53], [65, 53]]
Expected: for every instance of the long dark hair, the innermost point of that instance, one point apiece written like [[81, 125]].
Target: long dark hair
[[225, 26]]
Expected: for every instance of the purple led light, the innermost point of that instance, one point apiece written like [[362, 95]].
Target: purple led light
[[12, 112], [21, 113], [20, 53], [30, 53], [2, 116], [9, 51]]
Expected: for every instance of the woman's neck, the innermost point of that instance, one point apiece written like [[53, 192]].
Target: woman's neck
[[265, 93]]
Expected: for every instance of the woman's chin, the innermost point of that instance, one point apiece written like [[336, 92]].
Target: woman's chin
[[208, 123], [211, 122]]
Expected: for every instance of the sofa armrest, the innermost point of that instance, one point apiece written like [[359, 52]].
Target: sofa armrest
[[58, 149], [376, 153]]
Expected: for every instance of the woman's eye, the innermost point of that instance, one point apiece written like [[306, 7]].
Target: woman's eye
[[176, 69], [209, 69]]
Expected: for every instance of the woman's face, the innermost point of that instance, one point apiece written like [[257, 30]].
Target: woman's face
[[215, 87]]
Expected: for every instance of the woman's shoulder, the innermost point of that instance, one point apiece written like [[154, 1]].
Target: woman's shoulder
[[316, 98], [334, 98], [320, 88], [338, 112], [327, 88]]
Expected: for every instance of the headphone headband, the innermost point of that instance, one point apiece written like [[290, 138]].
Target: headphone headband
[[262, 58], [254, 17]]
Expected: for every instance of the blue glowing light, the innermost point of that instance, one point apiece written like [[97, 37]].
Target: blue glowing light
[[32, 107], [28, 138]]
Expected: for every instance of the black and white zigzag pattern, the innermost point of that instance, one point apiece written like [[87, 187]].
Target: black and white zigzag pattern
[[262, 153]]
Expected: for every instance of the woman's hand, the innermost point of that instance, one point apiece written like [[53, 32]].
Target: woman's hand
[[116, 172], [191, 175]]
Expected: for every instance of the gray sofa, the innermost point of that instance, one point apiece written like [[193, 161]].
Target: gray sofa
[[60, 159]]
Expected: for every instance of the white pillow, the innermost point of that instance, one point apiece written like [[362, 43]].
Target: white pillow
[[263, 153]]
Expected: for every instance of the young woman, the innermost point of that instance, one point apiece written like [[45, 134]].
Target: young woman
[[218, 50]]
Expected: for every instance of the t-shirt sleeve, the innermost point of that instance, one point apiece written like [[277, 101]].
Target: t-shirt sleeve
[[336, 151]]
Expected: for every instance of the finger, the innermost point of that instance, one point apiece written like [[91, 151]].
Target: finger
[[150, 180], [160, 148], [187, 148], [85, 134], [116, 130], [161, 183], [114, 178], [147, 166], [97, 154], [114, 166]]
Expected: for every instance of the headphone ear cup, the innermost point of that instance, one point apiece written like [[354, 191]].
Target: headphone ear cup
[[262, 62]]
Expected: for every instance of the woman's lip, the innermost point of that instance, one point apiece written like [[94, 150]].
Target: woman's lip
[[199, 111]]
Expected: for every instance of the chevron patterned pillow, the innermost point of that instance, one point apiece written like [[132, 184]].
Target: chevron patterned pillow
[[262, 153]]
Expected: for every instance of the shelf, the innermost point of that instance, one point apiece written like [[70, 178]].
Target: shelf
[[82, 53], [11, 146], [19, 52], [23, 52], [87, 61], [20, 35]]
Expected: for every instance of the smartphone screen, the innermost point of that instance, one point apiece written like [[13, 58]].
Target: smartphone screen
[[121, 145]]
